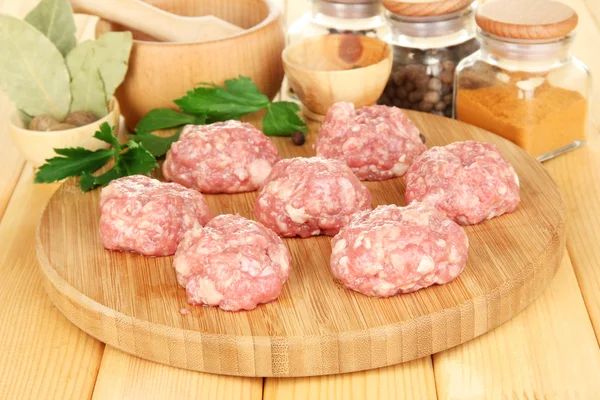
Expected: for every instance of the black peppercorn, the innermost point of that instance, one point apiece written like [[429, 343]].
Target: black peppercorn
[[298, 138]]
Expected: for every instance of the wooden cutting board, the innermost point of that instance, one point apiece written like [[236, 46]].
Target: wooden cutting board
[[316, 326]]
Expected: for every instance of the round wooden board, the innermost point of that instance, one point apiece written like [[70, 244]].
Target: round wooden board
[[316, 326]]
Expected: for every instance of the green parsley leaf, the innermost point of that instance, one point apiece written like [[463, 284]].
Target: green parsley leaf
[[74, 162], [135, 160], [129, 159], [165, 118], [282, 119], [89, 181], [239, 97], [156, 145], [107, 134]]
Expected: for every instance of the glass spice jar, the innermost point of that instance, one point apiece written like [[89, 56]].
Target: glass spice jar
[[429, 39], [357, 17], [523, 84]]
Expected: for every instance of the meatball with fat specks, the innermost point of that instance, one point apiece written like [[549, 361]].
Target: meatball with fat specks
[[224, 157], [469, 181], [150, 217], [309, 197], [377, 142], [233, 263], [393, 250]]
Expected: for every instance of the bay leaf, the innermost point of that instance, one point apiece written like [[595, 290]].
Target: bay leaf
[[87, 90], [54, 18], [33, 73], [109, 54]]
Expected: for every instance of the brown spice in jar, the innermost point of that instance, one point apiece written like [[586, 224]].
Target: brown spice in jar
[[554, 117]]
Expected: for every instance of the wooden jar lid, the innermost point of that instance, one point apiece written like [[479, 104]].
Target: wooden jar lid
[[526, 19], [425, 8]]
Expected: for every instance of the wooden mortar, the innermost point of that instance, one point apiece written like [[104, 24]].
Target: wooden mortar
[[160, 72]]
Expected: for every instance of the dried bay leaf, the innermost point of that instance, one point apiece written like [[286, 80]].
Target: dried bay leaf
[[117, 47], [108, 55], [87, 90], [54, 18], [32, 71]]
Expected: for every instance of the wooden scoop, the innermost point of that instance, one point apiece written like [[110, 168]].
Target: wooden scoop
[[157, 23]]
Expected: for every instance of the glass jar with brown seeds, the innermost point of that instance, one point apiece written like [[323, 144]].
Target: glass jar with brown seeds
[[428, 43]]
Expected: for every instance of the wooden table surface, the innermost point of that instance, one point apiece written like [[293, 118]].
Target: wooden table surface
[[549, 351]]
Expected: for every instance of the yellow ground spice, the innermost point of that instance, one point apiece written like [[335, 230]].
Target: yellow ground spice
[[540, 121]]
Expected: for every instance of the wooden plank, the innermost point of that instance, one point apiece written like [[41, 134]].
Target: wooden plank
[[578, 176], [42, 355], [594, 11], [125, 377], [412, 380], [524, 358], [12, 162], [546, 352]]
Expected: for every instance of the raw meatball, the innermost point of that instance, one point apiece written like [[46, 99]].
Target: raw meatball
[[393, 250], [377, 142], [146, 216], [469, 181], [224, 157], [233, 263], [310, 196]]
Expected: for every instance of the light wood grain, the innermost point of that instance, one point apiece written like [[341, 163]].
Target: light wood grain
[[125, 377], [161, 72], [528, 20], [594, 11], [566, 171], [12, 161], [411, 380], [316, 327], [157, 23], [546, 352], [578, 175], [425, 8], [42, 355]]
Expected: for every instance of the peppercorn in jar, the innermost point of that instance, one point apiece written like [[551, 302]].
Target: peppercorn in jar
[[429, 39], [523, 84]]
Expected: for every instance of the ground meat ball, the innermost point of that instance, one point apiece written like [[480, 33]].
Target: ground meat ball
[[150, 217], [377, 142], [233, 263], [310, 196], [469, 181], [393, 250], [224, 157]]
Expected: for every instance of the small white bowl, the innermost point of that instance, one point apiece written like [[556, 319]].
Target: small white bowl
[[36, 146]]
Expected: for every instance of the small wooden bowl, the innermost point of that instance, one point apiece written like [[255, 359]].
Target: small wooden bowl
[[160, 72], [36, 146], [324, 70]]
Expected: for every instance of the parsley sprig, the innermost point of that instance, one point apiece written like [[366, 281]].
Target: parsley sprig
[[129, 159], [206, 103], [210, 103]]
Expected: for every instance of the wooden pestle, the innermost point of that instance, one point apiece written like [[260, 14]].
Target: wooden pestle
[[157, 23]]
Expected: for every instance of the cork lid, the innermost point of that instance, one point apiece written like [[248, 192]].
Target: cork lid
[[528, 20], [425, 8]]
